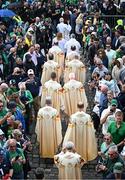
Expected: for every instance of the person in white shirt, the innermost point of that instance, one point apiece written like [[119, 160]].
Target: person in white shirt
[[108, 115], [71, 42], [101, 69], [111, 54], [65, 29], [31, 51]]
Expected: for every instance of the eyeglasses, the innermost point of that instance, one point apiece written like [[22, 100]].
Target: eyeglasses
[[110, 154], [106, 139], [98, 64], [19, 136]]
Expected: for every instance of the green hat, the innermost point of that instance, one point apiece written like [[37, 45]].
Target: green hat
[[118, 167], [114, 102]]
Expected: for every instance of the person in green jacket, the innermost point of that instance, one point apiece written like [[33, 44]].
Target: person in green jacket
[[113, 157], [12, 89], [117, 130]]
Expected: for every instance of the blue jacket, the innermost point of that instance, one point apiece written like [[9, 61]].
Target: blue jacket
[[19, 116]]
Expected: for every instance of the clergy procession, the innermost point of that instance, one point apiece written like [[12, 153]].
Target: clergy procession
[[62, 89]]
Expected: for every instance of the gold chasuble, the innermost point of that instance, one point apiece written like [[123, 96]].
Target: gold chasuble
[[48, 130], [77, 67], [81, 132], [69, 165], [73, 93], [49, 67], [53, 89]]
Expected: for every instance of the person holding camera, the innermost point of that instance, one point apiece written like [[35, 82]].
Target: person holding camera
[[16, 157], [107, 166], [25, 144], [108, 115], [16, 76]]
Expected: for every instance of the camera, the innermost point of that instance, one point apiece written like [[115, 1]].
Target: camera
[[98, 170], [111, 110]]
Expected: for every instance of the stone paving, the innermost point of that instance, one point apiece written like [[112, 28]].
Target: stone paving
[[50, 170]]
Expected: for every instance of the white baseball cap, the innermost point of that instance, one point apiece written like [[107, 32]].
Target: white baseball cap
[[30, 71]]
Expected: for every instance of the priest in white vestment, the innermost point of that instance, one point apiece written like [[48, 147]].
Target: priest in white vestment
[[69, 162], [77, 67], [48, 130], [82, 133], [53, 89], [73, 92], [49, 67], [72, 53], [58, 54]]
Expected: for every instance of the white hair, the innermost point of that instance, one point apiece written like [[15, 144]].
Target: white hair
[[113, 148], [21, 85], [72, 76], [69, 145]]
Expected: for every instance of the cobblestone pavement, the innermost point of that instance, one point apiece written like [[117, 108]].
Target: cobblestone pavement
[[51, 171]]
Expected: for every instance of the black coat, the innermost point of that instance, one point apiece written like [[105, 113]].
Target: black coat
[[121, 101]]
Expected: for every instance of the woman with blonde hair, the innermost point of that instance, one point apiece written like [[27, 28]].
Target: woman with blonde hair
[[107, 143], [102, 55], [61, 41]]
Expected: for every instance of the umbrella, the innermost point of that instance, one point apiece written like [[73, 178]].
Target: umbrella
[[6, 13]]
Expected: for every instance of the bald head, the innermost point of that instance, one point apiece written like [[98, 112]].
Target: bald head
[[3, 87], [69, 145], [72, 76], [104, 88]]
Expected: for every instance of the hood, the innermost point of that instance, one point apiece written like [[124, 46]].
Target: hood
[[121, 62]]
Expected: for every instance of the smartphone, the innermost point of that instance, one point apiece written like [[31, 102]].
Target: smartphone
[[17, 157]]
